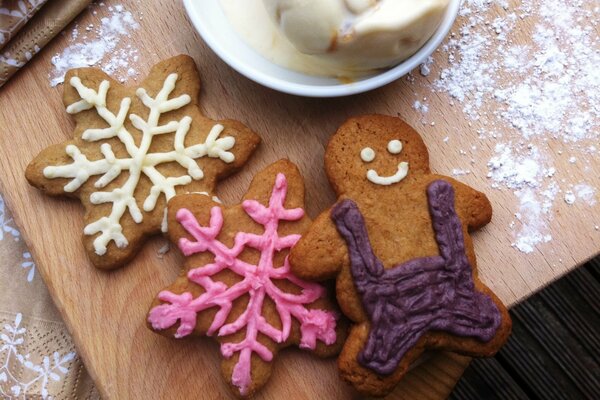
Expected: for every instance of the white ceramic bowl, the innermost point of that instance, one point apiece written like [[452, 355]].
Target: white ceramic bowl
[[212, 24]]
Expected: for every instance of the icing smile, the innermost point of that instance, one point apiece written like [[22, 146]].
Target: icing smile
[[394, 147], [374, 177]]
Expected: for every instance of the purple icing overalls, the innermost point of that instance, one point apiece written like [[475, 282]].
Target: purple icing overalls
[[425, 294]]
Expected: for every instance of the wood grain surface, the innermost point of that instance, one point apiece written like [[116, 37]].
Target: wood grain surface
[[105, 312]]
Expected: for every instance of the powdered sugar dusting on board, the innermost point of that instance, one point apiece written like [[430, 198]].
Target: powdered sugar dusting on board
[[104, 45], [532, 97], [585, 193]]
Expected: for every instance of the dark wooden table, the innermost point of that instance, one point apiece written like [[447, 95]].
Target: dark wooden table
[[554, 352]]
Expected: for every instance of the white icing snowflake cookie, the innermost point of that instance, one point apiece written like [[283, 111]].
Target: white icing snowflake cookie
[[133, 150]]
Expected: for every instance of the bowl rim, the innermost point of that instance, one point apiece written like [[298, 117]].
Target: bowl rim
[[335, 90]]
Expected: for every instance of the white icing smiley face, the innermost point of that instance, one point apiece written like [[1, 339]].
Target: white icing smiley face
[[394, 147]]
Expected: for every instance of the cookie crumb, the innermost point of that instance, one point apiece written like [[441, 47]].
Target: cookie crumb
[[164, 249], [570, 198]]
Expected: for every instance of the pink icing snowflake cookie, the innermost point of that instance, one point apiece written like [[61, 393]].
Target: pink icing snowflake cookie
[[238, 286]]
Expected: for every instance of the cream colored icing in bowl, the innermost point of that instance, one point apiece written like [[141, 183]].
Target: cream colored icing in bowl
[[350, 37], [255, 61]]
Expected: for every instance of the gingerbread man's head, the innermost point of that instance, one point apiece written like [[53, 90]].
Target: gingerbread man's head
[[368, 155]]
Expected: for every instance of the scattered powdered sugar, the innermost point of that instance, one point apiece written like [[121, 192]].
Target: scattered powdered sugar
[[586, 193], [460, 172], [531, 181], [426, 66], [105, 46], [423, 108], [532, 218], [531, 96]]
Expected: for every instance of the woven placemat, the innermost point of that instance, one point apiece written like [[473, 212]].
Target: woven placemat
[[35, 28]]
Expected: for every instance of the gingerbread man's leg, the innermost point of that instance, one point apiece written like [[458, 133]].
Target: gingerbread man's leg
[[469, 313]]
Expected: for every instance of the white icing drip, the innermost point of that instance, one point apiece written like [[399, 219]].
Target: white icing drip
[[367, 154], [374, 177], [213, 198], [164, 225], [394, 146], [140, 161]]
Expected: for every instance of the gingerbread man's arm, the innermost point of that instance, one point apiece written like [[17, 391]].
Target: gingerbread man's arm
[[472, 205], [321, 252]]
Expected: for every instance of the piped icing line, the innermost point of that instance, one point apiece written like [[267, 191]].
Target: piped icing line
[[400, 174], [257, 282], [425, 294], [140, 160], [367, 155]]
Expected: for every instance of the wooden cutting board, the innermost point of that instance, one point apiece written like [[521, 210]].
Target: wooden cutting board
[[105, 312]]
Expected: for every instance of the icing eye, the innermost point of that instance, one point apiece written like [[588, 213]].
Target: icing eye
[[367, 154], [394, 146]]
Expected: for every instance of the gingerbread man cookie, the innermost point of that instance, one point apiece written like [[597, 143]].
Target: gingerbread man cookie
[[398, 243], [133, 150], [237, 284]]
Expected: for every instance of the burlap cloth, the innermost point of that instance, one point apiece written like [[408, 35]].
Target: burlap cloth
[[37, 357], [26, 26]]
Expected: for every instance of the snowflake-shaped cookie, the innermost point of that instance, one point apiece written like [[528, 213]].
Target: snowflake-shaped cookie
[[133, 150], [238, 284]]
